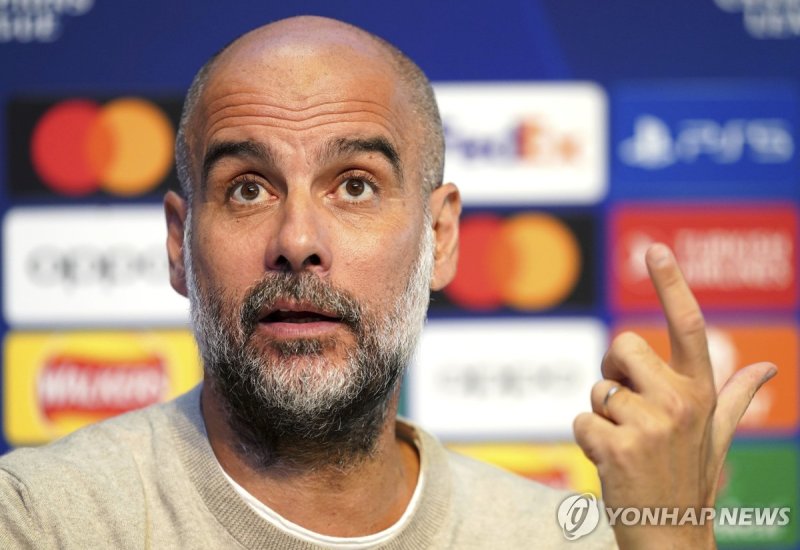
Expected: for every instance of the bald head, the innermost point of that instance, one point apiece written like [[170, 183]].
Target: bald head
[[313, 42]]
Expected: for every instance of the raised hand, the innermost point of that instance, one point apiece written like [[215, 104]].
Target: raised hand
[[660, 438]]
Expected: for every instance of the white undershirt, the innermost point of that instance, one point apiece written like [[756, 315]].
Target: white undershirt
[[339, 543]]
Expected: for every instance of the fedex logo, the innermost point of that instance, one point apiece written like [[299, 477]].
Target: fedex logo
[[535, 141], [528, 143]]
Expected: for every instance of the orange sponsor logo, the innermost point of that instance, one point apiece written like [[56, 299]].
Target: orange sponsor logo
[[732, 347]]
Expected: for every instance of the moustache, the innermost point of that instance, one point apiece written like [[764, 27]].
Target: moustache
[[302, 287]]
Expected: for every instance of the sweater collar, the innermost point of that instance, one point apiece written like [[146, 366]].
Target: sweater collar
[[252, 531]]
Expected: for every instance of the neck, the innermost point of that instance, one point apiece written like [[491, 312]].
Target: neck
[[344, 500]]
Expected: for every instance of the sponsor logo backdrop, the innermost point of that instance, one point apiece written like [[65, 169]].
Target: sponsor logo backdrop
[[572, 151]]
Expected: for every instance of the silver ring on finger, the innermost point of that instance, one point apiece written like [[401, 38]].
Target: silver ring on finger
[[611, 392]]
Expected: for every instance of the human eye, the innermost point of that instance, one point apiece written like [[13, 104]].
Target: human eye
[[356, 188], [248, 191]]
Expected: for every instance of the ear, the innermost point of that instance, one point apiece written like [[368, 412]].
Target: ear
[[445, 205], [175, 210]]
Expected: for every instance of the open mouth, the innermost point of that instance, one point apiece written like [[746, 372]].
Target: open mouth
[[298, 317], [289, 319]]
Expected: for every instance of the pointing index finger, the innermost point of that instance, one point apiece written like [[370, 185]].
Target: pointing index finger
[[687, 331]]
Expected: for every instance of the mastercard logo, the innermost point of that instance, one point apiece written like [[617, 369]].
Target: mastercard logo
[[123, 147], [528, 261]]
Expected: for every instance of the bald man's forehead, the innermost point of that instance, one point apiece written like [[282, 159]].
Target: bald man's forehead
[[297, 85], [305, 56], [303, 70], [299, 74], [307, 35]]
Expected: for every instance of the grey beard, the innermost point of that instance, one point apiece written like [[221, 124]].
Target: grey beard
[[286, 402]]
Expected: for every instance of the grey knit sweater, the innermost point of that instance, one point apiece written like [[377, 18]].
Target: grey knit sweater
[[149, 479]]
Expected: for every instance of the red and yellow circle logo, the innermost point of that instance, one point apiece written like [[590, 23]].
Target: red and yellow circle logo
[[529, 261], [124, 147]]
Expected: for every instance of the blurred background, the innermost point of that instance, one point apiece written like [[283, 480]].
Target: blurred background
[[578, 132]]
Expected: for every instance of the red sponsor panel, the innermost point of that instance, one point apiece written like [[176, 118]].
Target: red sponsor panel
[[86, 385], [734, 257]]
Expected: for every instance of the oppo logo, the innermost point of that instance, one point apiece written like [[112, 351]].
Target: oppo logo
[[85, 265], [518, 381]]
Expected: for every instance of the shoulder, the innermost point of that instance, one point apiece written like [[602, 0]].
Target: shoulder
[[49, 493], [491, 507], [519, 512], [477, 482], [92, 454]]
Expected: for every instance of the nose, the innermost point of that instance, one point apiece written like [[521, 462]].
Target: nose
[[301, 241]]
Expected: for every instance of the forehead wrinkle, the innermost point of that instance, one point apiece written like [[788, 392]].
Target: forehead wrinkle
[[257, 99], [254, 121], [258, 111]]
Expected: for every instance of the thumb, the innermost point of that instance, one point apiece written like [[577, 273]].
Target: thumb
[[732, 402]]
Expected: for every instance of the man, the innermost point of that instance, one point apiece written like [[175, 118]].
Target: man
[[311, 226]]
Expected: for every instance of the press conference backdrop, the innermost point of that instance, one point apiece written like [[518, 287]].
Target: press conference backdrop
[[578, 132]]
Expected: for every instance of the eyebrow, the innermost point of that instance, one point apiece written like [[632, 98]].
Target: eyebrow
[[346, 146], [338, 147], [219, 150]]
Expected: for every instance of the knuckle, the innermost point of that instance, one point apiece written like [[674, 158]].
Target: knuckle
[[580, 425], [598, 392], [606, 369], [581, 420], [627, 342], [693, 323], [623, 397], [655, 430], [624, 346]]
